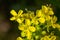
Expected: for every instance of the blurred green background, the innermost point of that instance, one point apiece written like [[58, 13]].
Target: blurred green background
[[7, 5]]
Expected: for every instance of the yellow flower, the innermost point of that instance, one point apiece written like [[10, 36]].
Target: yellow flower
[[31, 15], [56, 26], [54, 19], [34, 21], [45, 9], [42, 20], [38, 13], [28, 34], [23, 34], [45, 38], [32, 28], [27, 22], [53, 38], [51, 12], [21, 27], [16, 16], [19, 38], [49, 37], [26, 15], [48, 18]]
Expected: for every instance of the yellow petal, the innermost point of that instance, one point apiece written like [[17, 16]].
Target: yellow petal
[[45, 9], [54, 25], [58, 26], [51, 12], [36, 22], [19, 38], [13, 12], [46, 38], [54, 19], [27, 22], [31, 15], [19, 20], [21, 28], [48, 17], [13, 18], [20, 12]]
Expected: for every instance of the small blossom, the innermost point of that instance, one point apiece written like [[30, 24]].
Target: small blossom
[[54, 19], [21, 27], [32, 28], [27, 22], [45, 9], [42, 20], [34, 21], [45, 38], [38, 13], [23, 34], [16, 16], [28, 34], [51, 12], [48, 18], [56, 26]]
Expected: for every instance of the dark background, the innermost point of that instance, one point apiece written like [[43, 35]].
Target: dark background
[[7, 5]]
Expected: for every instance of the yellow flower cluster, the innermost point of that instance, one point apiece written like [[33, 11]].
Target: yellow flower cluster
[[29, 20], [48, 38]]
